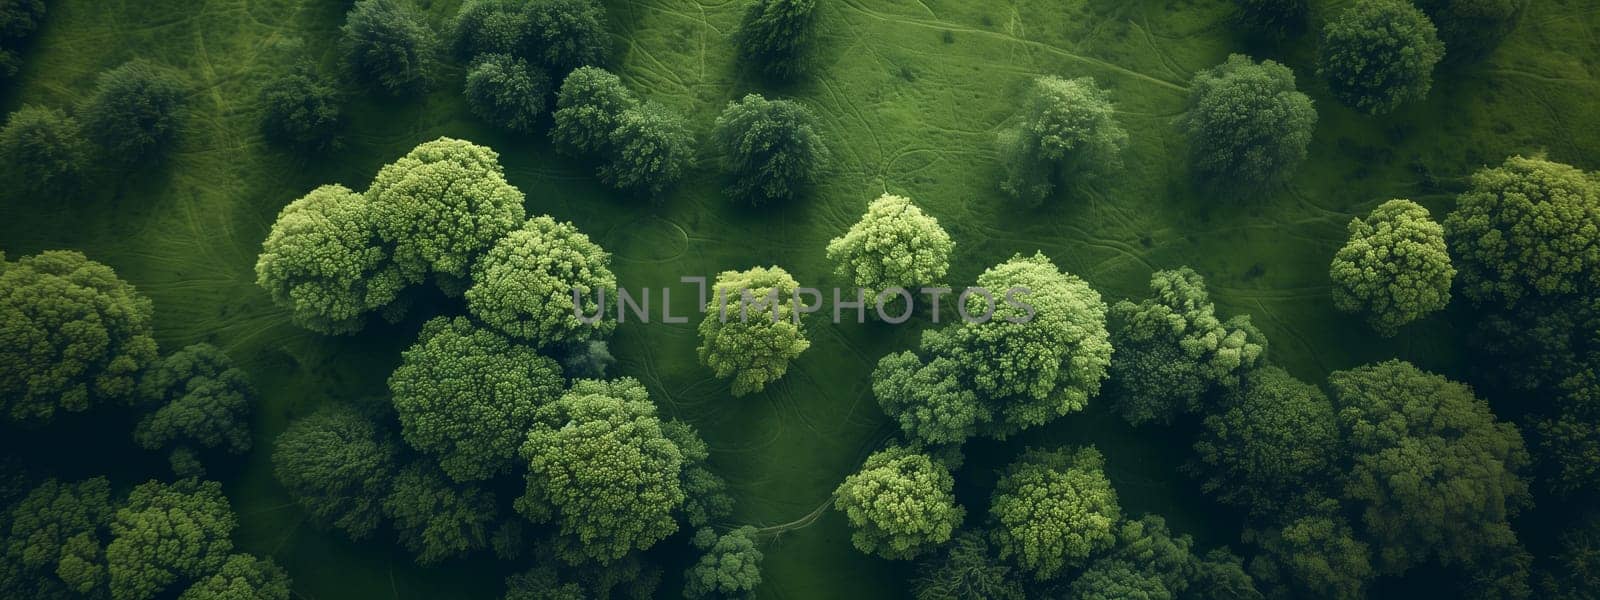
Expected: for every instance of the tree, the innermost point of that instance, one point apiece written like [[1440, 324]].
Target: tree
[[589, 107], [505, 91], [706, 498], [1394, 269], [388, 45], [1275, 440], [770, 148], [651, 148], [600, 465], [18, 20], [1432, 471], [166, 534], [337, 465], [134, 112], [966, 570], [929, 400], [586, 360], [775, 34], [1053, 509], [1471, 28], [628, 578], [730, 567], [751, 330], [1574, 572], [1067, 131], [894, 245], [78, 336], [243, 577], [442, 205], [1275, 19], [200, 400], [1567, 447], [1315, 554], [54, 528], [1172, 348], [324, 263], [901, 504], [302, 109], [568, 34], [525, 285], [436, 520], [1248, 127], [467, 396], [483, 27], [1220, 575], [43, 149], [1528, 228], [1114, 579], [1379, 54]]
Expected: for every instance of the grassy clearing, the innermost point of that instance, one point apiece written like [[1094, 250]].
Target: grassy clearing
[[911, 93]]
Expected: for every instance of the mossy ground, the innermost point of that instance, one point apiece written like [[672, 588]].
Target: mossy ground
[[911, 95]]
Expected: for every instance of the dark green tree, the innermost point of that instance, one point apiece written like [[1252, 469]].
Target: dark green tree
[[1248, 127], [54, 538], [167, 534], [18, 20], [967, 570], [134, 113], [775, 35], [1274, 440], [1314, 554], [200, 400], [588, 109], [651, 148], [1379, 54], [435, 519], [507, 92], [1147, 559], [929, 400], [1273, 19], [900, 504], [302, 110], [387, 44], [484, 27], [770, 148], [1472, 28], [1052, 510], [730, 567], [628, 578], [567, 34], [706, 499], [1573, 571], [338, 466], [243, 577], [1066, 132], [43, 149]]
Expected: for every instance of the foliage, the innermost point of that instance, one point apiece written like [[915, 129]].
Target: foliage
[[77, 336], [489, 27], [505, 91], [651, 147], [586, 360], [43, 150], [337, 465], [468, 395], [1433, 472], [1247, 125], [524, 285], [1568, 450], [1574, 572], [1275, 440], [774, 35], [1171, 348], [1067, 131], [893, 245], [52, 530], [388, 44], [1315, 554], [589, 107], [434, 519], [770, 148], [900, 504], [601, 466], [1275, 19], [134, 112], [1394, 269], [1053, 509], [929, 401], [1146, 557], [1115, 579], [443, 204], [1547, 344], [1379, 54], [18, 20], [324, 263], [302, 109], [745, 334], [567, 34], [165, 534], [730, 567], [201, 399], [243, 577], [706, 497], [628, 578], [1528, 228], [1471, 28], [966, 570]]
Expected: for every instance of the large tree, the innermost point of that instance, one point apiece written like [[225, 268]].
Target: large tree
[[435, 519], [166, 534], [324, 263], [200, 400], [386, 43], [900, 504], [568, 34], [468, 395], [302, 109], [1433, 472], [967, 570], [1066, 132], [751, 330], [442, 205], [1528, 228], [1394, 269], [601, 467], [77, 336], [1053, 509], [770, 148], [774, 36], [730, 567], [134, 112], [1248, 127], [53, 537], [1275, 440], [894, 245], [507, 92], [338, 465], [43, 149], [1379, 54], [525, 285], [1171, 348]]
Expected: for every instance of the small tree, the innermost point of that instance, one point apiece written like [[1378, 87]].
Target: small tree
[[43, 149], [134, 112], [1316, 553], [243, 577], [567, 34], [302, 110], [651, 148], [1052, 510], [1379, 54], [18, 20], [1471, 28], [338, 466], [893, 245], [483, 27], [771, 148], [900, 504], [751, 330], [589, 107], [436, 520], [775, 34], [1067, 131], [966, 570], [387, 44], [524, 285], [729, 569], [507, 92], [323, 262], [1274, 19], [1248, 127], [1275, 441], [201, 401], [1394, 269]]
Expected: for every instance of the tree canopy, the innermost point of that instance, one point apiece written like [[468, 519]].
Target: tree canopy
[[747, 336], [1053, 509], [323, 262], [200, 399], [387, 44], [1274, 19], [729, 569], [18, 20], [468, 396], [774, 35], [51, 532], [1312, 554], [134, 113], [338, 465], [77, 336], [706, 499], [166, 534], [524, 285], [651, 148], [1471, 28], [966, 570], [43, 149], [1066, 131], [507, 92], [1394, 269], [770, 149], [1379, 54], [434, 519], [1275, 440], [900, 504], [302, 109], [893, 245], [929, 400], [242, 577], [589, 108], [1247, 125]]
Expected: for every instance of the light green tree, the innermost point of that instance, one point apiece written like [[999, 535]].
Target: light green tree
[[1248, 127], [1067, 132], [1394, 269], [893, 245], [524, 286], [1379, 54], [929, 399], [730, 567], [751, 330], [1053, 509], [166, 534], [324, 263], [901, 504]]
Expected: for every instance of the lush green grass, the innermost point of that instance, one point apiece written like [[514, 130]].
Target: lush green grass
[[911, 94]]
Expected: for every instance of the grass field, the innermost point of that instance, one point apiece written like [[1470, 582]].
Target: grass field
[[911, 94]]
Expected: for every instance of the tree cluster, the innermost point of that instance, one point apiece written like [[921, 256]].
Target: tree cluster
[[517, 49], [642, 147]]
